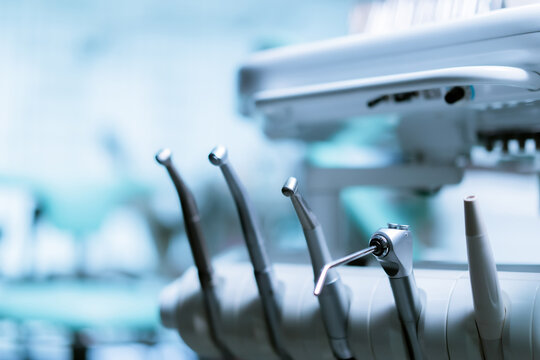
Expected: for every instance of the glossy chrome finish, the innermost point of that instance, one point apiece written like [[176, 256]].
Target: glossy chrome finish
[[397, 262], [392, 246]]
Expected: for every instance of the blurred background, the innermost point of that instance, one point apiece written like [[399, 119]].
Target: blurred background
[[90, 225]]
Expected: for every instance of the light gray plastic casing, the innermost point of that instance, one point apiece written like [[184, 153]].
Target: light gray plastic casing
[[447, 328]]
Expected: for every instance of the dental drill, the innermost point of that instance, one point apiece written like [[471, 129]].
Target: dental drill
[[392, 247], [334, 301], [200, 254], [264, 274]]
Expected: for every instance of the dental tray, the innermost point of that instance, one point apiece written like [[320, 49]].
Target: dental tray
[[484, 62]]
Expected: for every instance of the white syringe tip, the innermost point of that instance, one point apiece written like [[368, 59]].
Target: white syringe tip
[[473, 223], [487, 296]]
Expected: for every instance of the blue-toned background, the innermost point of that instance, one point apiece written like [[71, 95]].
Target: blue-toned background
[[89, 91], [90, 225]]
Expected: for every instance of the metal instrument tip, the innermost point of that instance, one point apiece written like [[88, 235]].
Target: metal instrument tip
[[290, 187], [321, 280], [163, 156], [218, 155]]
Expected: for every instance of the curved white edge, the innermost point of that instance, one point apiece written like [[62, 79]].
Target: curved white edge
[[421, 80], [491, 25], [447, 325]]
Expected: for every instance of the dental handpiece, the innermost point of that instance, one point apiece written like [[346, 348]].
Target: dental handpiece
[[264, 274], [489, 309], [398, 265], [392, 246], [199, 252], [334, 301]]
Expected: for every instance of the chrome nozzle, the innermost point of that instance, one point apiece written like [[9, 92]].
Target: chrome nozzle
[[290, 187], [218, 155]]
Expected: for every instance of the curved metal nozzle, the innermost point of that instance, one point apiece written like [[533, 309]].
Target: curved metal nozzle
[[344, 260]]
